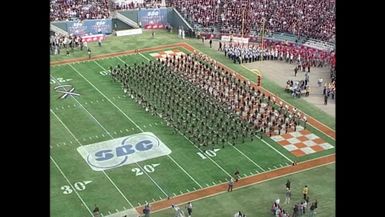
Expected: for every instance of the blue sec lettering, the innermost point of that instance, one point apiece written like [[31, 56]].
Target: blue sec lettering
[[124, 150], [144, 145], [103, 155]]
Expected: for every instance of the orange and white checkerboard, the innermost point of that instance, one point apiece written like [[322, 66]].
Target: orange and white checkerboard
[[168, 53], [301, 143]]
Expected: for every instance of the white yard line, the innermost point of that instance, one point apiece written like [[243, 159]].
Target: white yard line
[[246, 156], [277, 151], [65, 126], [74, 189]]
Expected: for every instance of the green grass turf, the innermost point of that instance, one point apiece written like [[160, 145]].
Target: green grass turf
[[115, 44], [256, 200], [92, 116]]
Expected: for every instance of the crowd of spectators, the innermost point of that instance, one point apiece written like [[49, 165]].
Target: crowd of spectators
[[134, 4], [65, 10], [309, 18], [59, 42]]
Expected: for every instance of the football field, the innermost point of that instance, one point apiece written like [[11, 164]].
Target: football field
[[106, 150]]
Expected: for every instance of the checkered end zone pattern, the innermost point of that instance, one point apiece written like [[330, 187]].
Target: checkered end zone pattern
[[168, 53], [301, 142]]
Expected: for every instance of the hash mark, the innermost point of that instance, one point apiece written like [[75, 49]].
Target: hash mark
[[117, 210], [121, 131], [109, 212], [139, 204], [71, 142], [89, 137], [97, 101], [244, 175], [207, 185], [103, 135], [174, 194], [268, 168], [97, 137], [281, 165], [153, 200], [124, 208], [194, 189], [160, 197], [181, 192], [57, 145], [213, 183], [127, 130], [275, 167], [251, 173]]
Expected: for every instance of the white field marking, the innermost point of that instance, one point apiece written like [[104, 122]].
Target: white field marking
[[265, 180], [246, 156], [50, 146], [117, 210], [109, 212], [115, 132], [62, 107], [90, 137], [97, 101], [101, 214], [132, 128], [64, 143], [97, 136], [181, 192], [120, 131], [92, 102], [174, 194], [71, 142], [176, 163], [144, 126], [145, 201], [124, 208], [194, 188], [244, 175], [276, 150], [85, 103], [213, 183], [112, 138], [187, 190], [57, 166], [153, 200], [257, 171], [287, 164], [251, 173], [57, 145], [207, 185], [150, 125], [140, 204], [143, 57], [160, 197], [127, 130], [275, 167], [268, 168], [281, 165], [87, 182], [112, 182]]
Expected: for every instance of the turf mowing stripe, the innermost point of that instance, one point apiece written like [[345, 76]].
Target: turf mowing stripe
[[112, 138], [65, 126], [246, 156], [74, 189], [176, 163]]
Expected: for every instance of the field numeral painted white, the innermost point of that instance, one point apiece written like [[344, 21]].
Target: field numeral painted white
[[59, 80], [105, 73], [149, 168], [209, 153], [80, 186]]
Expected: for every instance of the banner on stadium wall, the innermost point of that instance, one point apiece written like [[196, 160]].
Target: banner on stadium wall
[[153, 18], [227, 38], [90, 27], [93, 38], [129, 32]]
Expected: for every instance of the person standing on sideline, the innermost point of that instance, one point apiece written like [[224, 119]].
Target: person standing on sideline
[[96, 211], [183, 34], [230, 185], [288, 196], [146, 210], [305, 192], [220, 46], [178, 211], [153, 34], [288, 184], [189, 208], [326, 99], [295, 71], [89, 53], [211, 42], [100, 42], [236, 174]]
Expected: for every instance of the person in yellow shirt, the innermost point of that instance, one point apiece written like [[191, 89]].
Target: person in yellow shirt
[[305, 191]]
